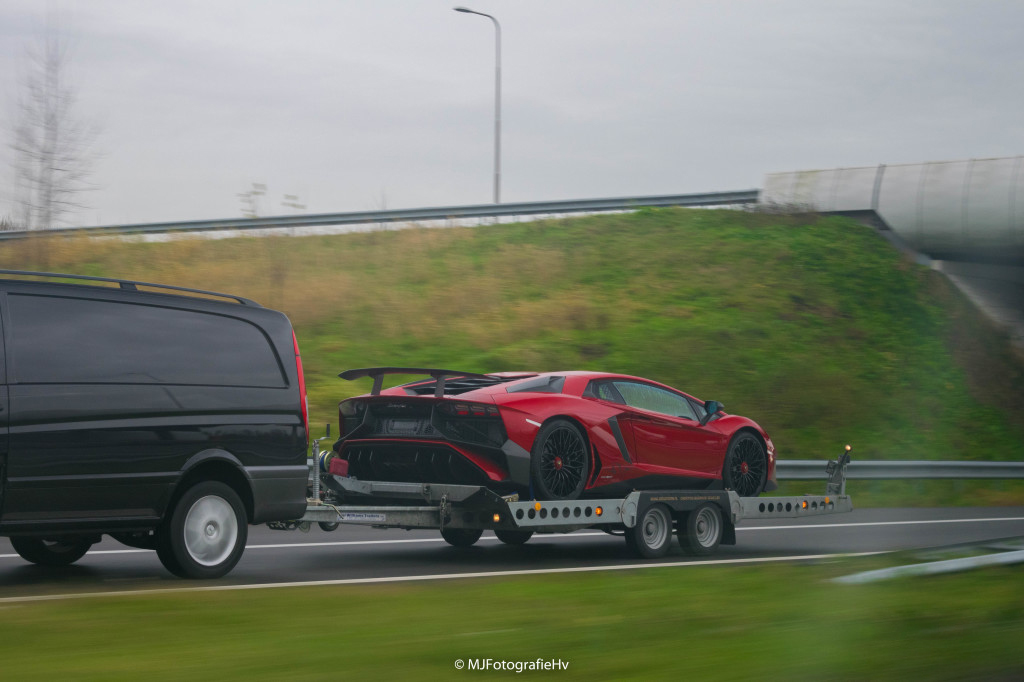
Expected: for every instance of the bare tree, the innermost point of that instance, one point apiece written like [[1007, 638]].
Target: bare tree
[[53, 149]]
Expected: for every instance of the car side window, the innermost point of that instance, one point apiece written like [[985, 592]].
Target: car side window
[[605, 391], [647, 397]]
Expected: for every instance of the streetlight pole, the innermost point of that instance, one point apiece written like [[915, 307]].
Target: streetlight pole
[[497, 99]]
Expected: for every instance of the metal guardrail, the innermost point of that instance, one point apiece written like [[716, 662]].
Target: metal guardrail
[[807, 470], [413, 214]]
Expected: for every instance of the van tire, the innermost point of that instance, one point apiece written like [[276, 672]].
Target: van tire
[[205, 535]]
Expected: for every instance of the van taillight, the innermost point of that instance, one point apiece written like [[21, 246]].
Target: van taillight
[[302, 386]]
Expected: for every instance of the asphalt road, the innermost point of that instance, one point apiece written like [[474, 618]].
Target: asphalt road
[[353, 552]]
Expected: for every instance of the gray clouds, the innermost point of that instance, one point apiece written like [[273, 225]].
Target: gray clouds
[[345, 103]]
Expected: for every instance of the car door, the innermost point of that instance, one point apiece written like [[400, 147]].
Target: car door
[[665, 429]]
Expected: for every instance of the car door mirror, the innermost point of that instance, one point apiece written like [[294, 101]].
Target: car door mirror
[[711, 408]]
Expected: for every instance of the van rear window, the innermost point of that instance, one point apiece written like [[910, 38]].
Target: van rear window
[[71, 340]]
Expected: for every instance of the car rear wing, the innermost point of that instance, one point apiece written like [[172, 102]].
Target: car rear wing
[[377, 374]]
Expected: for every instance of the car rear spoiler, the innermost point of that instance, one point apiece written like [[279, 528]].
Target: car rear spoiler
[[377, 373]]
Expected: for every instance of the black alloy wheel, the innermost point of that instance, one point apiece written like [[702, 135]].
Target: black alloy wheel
[[746, 466], [559, 461]]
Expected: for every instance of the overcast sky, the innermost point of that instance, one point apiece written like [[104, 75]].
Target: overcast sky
[[356, 105]]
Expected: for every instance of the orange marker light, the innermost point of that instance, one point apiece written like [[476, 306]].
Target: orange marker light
[[804, 504], [599, 511], [497, 518], [848, 448], [536, 505]]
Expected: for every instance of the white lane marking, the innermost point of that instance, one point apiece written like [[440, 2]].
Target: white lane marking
[[344, 543], [442, 576], [294, 545], [883, 523]]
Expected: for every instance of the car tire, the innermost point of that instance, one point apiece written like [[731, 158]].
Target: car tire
[[652, 534], [57, 552], [559, 461], [461, 537], [746, 466], [701, 530], [205, 535], [514, 537]]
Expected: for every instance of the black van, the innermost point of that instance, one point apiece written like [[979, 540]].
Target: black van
[[168, 418]]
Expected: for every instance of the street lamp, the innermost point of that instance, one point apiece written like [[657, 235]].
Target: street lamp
[[497, 99]]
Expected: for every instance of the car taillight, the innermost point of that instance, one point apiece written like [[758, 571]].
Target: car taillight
[[470, 409], [302, 386]]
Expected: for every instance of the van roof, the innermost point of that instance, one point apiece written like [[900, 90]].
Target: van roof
[[130, 285]]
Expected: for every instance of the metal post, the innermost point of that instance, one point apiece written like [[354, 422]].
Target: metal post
[[497, 99]]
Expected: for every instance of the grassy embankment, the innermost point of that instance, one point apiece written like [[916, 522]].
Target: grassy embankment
[[818, 329], [702, 623]]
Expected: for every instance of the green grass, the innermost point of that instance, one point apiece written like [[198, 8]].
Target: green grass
[[716, 622], [816, 328]]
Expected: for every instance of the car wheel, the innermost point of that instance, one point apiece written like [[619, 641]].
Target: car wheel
[[206, 532], [514, 537], [461, 537], [59, 552], [701, 530], [559, 462], [746, 466], [652, 533]]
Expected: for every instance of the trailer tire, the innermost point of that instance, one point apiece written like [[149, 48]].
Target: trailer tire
[[461, 537], [329, 526], [205, 534], [651, 535], [701, 530], [514, 537], [56, 552]]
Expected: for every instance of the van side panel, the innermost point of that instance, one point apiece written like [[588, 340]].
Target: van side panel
[[111, 394], [4, 409]]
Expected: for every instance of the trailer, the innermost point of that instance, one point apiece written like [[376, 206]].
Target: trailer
[[702, 519]]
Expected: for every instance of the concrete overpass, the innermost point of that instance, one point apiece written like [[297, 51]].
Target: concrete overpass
[[964, 218]]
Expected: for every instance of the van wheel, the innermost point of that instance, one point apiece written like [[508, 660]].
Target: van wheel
[[205, 535], [60, 552]]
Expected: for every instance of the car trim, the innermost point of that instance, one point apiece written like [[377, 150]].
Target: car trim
[[613, 422]]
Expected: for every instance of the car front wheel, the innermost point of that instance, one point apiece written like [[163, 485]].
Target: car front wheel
[[206, 532], [746, 466]]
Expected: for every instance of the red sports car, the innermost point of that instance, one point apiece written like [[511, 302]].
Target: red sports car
[[552, 436]]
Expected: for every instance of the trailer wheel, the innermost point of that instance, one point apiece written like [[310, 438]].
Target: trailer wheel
[[59, 552], [461, 537], [651, 535], [514, 537], [700, 531], [205, 534], [328, 526]]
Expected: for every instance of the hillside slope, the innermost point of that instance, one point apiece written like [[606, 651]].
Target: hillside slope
[[816, 328]]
